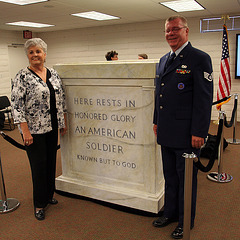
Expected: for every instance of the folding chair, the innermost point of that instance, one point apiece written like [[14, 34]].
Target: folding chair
[[5, 108]]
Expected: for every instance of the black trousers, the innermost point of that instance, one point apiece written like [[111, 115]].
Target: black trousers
[[42, 158], [174, 170]]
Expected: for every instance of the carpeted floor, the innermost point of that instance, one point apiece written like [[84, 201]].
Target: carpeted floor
[[218, 206]]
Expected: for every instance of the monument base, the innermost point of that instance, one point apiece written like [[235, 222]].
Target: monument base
[[137, 200], [110, 152]]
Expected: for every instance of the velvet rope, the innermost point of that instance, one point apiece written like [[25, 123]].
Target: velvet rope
[[209, 166], [226, 124], [15, 143]]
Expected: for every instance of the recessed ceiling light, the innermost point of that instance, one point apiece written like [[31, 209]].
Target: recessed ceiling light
[[183, 5], [95, 16], [30, 24], [23, 2]]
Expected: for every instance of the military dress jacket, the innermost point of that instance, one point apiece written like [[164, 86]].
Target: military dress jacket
[[183, 100]]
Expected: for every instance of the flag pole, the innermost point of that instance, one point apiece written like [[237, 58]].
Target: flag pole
[[224, 84], [224, 18]]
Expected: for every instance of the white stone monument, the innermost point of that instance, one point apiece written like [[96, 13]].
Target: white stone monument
[[110, 151]]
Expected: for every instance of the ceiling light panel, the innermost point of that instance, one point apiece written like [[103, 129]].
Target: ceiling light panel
[[183, 5], [95, 16], [30, 24], [23, 2]]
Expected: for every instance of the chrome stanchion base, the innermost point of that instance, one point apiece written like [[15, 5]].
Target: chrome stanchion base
[[219, 177], [233, 141], [10, 205]]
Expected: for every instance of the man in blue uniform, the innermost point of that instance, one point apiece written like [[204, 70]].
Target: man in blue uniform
[[184, 92]]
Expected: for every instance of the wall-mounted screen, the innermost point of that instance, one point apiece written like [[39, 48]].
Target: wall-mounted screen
[[237, 65]]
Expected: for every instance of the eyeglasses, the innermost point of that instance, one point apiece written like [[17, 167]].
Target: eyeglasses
[[174, 30]]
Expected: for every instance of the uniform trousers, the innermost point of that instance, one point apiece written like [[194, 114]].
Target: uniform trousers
[[42, 157], [174, 169]]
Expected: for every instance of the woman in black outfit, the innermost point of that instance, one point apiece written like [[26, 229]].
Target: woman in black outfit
[[39, 109]]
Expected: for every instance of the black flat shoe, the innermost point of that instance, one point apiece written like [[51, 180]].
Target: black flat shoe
[[163, 221], [40, 214], [53, 201]]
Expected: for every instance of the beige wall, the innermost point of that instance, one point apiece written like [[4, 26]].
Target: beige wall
[[91, 44], [7, 39]]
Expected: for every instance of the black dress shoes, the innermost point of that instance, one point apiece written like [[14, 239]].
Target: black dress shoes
[[163, 221], [178, 233], [53, 201], [40, 214]]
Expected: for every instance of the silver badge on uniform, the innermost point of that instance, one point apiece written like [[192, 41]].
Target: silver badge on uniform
[[208, 76]]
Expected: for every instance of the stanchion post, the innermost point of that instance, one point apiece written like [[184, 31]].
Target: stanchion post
[[221, 145], [6, 204], [188, 194], [233, 140], [2, 185], [220, 176]]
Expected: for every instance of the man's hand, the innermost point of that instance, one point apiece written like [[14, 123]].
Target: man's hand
[[197, 142], [155, 129]]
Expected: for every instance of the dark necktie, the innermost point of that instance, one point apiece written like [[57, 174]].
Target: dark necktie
[[170, 60]]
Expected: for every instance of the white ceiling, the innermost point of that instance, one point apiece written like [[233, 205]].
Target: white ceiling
[[57, 12]]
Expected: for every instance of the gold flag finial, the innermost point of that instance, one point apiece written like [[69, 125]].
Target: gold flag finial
[[225, 18]]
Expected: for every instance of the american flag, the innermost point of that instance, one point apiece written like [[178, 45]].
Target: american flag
[[224, 85]]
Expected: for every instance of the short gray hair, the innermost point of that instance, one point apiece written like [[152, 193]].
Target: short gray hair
[[35, 42], [183, 19]]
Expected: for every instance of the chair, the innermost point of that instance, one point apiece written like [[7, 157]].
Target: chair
[[5, 108]]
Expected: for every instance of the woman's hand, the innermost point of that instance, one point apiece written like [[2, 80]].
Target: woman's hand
[[63, 131], [27, 136]]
